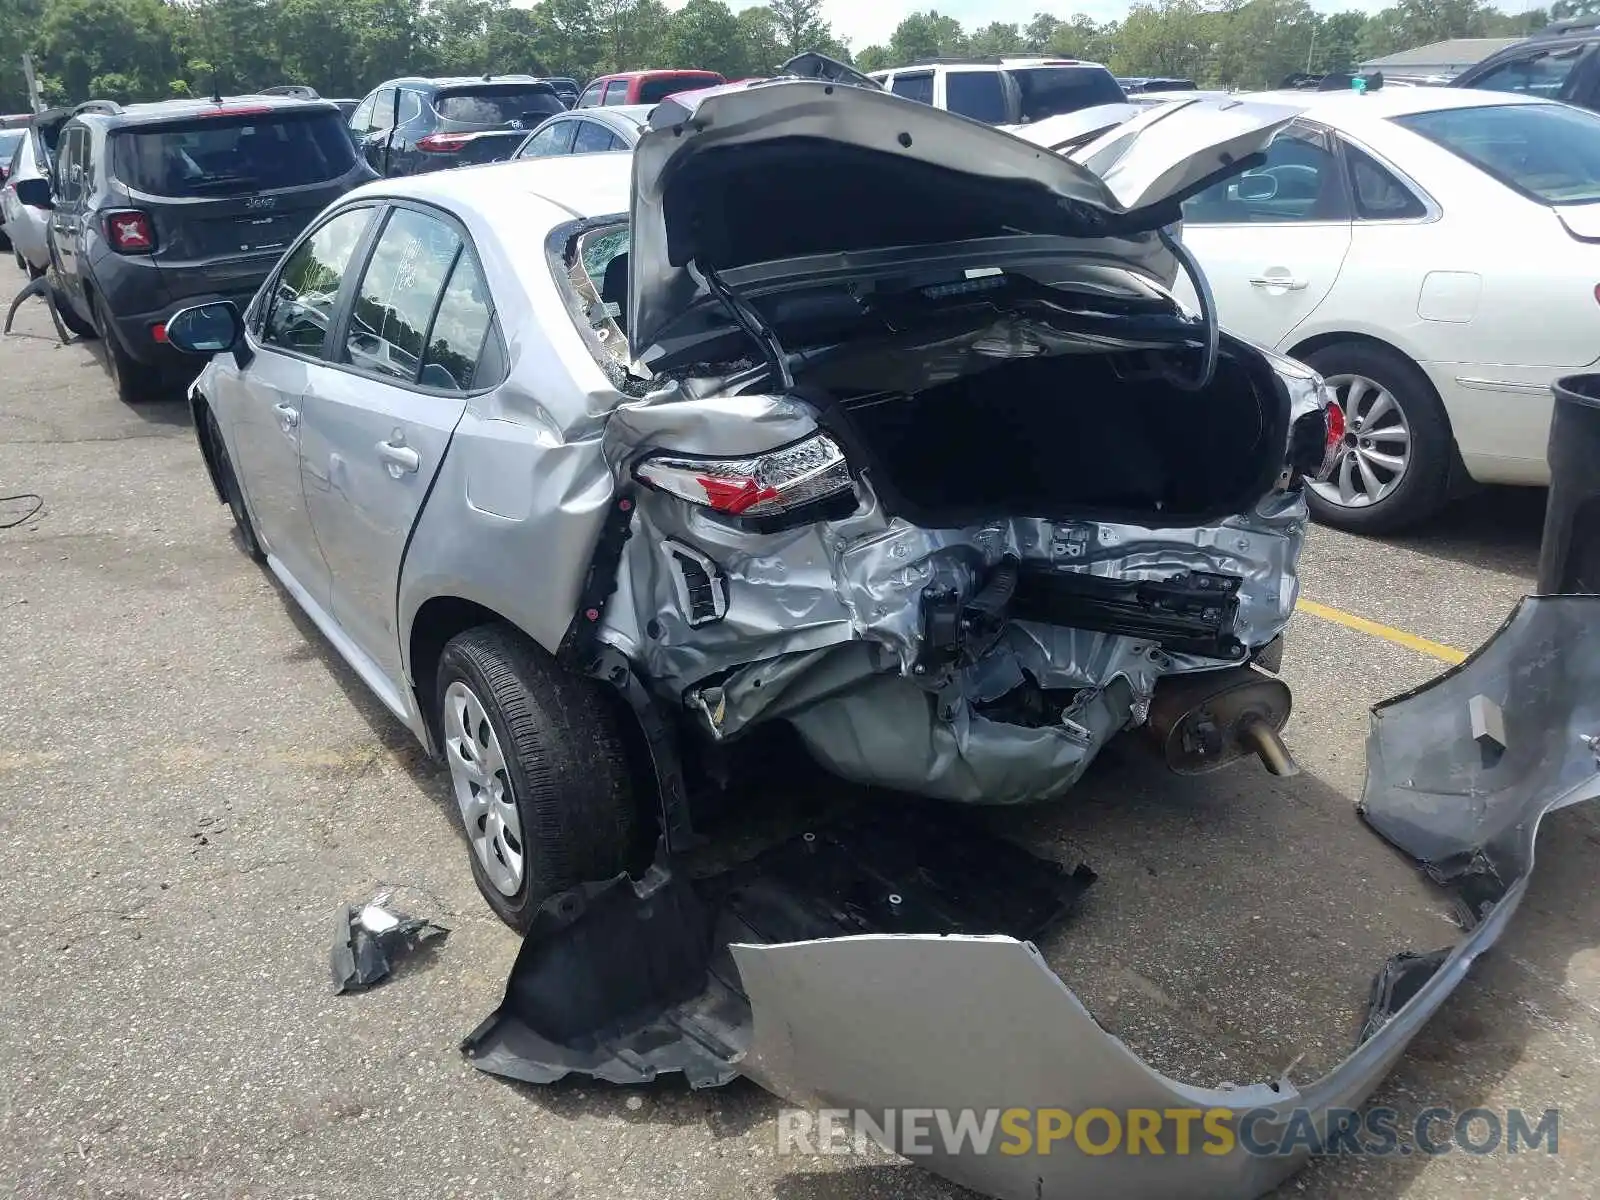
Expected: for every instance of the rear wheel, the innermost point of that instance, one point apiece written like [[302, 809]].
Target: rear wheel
[[1393, 469], [539, 771], [231, 490], [135, 382]]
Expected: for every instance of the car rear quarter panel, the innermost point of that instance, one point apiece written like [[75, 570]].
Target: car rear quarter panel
[[517, 507]]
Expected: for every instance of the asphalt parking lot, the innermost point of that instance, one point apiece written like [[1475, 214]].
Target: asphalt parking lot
[[191, 783]]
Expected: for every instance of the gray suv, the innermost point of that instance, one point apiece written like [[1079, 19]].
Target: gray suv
[[155, 206], [821, 410]]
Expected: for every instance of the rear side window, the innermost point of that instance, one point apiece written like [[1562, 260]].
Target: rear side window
[[398, 293], [1548, 152], [616, 92], [1051, 91], [307, 289], [918, 86], [1380, 196], [593, 138], [590, 97], [227, 156], [497, 106], [980, 95], [10, 139], [653, 91], [456, 343]]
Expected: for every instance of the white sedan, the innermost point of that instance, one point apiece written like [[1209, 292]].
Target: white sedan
[[1435, 254]]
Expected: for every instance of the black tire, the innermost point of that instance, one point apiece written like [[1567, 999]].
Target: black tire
[[134, 381], [70, 317], [567, 766], [1425, 484], [248, 541]]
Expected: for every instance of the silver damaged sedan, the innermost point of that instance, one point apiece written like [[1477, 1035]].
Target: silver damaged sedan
[[822, 408]]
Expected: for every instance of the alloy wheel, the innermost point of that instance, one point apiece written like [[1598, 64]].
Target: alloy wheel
[[1376, 450], [483, 788]]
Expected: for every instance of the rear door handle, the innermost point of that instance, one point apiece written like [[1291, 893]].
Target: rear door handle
[[1288, 283], [399, 458], [288, 416]]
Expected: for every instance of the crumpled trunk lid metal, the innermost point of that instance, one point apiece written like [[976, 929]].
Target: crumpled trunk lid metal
[[946, 1016]]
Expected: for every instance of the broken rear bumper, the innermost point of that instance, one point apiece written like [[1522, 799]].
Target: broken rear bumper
[[953, 1016]]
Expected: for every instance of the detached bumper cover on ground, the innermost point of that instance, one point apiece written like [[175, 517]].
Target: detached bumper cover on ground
[[971, 1020]]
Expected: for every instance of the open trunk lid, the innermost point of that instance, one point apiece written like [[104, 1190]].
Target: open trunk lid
[[746, 174]]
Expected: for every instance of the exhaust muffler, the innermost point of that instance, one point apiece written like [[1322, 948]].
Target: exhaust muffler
[[1208, 719]]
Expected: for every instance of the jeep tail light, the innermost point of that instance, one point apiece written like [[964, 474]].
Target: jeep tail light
[[129, 231], [443, 143], [805, 480]]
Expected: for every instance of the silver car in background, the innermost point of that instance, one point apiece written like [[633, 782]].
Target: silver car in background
[[823, 409], [597, 130], [22, 227]]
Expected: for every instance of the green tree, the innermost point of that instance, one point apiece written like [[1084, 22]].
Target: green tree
[[925, 35], [1080, 37], [996, 38], [800, 26], [110, 49], [1339, 42], [706, 34], [1176, 38], [1041, 31], [1259, 42]]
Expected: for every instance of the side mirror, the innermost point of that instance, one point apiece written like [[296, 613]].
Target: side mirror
[[35, 193], [1258, 187], [206, 328]]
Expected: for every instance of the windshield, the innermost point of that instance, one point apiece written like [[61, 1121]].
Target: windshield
[[498, 106], [1050, 91], [1548, 152], [223, 156]]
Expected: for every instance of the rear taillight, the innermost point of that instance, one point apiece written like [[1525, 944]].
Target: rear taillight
[[1316, 437], [128, 230], [808, 480], [443, 143]]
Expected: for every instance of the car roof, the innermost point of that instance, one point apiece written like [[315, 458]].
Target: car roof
[[451, 81], [1350, 105], [581, 186], [987, 64], [697, 71], [117, 116], [623, 114]]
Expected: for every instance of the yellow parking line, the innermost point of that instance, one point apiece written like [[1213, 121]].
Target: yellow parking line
[[1388, 633]]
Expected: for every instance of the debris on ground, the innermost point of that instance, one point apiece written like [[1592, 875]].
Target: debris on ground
[[370, 938]]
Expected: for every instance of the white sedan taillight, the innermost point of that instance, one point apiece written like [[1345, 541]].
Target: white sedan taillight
[[805, 480]]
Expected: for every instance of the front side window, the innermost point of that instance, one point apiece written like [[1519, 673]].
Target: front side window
[[980, 95], [398, 293], [916, 86], [361, 119], [1300, 181], [300, 307], [1052, 91], [593, 138], [1379, 194], [1547, 152], [555, 138], [1537, 75], [383, 109], [616, 92]]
